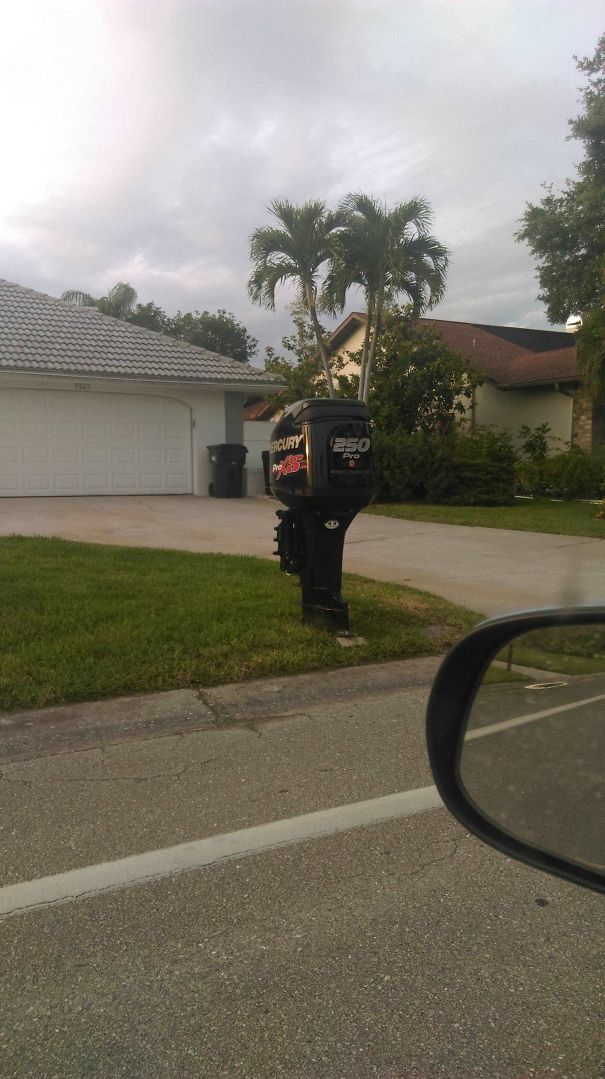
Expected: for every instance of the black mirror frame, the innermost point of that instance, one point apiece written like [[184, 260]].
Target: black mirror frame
[[452, 695]]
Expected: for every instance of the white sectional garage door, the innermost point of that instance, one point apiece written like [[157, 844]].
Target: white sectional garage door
[[63, 442]]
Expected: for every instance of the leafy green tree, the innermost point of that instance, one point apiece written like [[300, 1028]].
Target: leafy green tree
[[388, 253], [152, 317], [118, 303], [591, 350], [219, 332], [566, 230], [295, 250], [299, 366], [418, 383]]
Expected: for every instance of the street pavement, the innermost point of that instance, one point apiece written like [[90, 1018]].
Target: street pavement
[[328, 917], [402, 948], [487, 569], [533, 761]]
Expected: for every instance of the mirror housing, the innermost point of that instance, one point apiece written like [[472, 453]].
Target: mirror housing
[[450, 703]]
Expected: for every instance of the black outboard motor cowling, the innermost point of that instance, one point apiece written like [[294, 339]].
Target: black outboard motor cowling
[[321, 468]]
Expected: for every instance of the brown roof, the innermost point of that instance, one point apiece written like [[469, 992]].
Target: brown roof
[[560, 365], [260, 410], [509, 356]]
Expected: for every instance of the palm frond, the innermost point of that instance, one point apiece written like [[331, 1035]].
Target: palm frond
[[297, 251], [80, 299], [266, 277], [119, 301]]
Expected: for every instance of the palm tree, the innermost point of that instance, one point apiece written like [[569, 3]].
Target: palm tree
[[119, 301], [295, 250], [387, 253]]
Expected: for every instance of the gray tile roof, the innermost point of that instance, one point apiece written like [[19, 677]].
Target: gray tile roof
[[43, 334]]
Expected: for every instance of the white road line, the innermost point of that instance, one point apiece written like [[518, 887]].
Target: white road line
[[531, 717], [141, 868]]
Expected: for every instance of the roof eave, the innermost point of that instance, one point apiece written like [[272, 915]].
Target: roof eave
[[245, 385], [346, 329], [528, 383]]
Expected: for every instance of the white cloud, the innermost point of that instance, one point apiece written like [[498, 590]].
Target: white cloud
[[145, 141]]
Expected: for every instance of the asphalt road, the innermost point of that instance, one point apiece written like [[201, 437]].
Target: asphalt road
[[401, 947], [534, 761]]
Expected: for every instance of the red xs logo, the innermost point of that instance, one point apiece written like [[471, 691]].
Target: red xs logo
[[295, 462]]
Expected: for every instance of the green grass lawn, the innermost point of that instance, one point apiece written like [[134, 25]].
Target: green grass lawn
[[83, 621], [565, 518], [495, 675], [569, 650]]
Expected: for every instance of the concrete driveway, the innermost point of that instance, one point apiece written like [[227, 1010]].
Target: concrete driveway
[[491, 570]]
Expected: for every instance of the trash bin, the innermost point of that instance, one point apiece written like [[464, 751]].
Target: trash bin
[[227, 460]]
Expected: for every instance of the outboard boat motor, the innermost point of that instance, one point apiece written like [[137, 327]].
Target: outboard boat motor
[[320, 467]]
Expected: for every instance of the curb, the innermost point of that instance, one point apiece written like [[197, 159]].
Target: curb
[[93, 724]]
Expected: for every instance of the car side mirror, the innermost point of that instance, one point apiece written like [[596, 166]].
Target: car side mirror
[[516, 739]]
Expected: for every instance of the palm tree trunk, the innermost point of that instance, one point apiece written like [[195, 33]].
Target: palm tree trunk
[[374, 344], [320, 339], [366, 345]]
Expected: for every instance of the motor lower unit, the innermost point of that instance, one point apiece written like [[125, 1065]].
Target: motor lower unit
[[320, 465]]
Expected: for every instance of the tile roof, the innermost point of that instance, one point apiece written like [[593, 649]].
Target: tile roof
[[40, 333], [510, 356]]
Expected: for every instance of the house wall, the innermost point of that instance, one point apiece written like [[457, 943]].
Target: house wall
[[234, 420], [511, 409], [207, 406], [257, 435], [353, 344]]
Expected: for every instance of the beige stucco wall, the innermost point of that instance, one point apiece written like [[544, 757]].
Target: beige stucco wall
[[353, 344], [510, 409], [207, 406]]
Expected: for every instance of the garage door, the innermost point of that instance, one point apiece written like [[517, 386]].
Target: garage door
[[62, 442]]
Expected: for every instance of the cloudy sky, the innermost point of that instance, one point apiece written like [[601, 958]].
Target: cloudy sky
[[143, 139]]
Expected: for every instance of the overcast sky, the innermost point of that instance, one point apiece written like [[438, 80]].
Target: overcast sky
[[142, 140]]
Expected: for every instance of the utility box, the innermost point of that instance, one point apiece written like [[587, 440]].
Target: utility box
[[227, 461], [321, 469]]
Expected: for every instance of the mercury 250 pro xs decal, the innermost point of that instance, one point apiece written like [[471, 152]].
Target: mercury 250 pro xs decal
[[349, 447], [292, 442], [292, 462]]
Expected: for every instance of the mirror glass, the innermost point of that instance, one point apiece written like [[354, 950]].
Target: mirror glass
[[533, 756]]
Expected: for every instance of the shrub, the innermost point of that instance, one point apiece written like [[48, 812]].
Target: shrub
[[474, 470], [573, 475], [536, 441], [531, 479], [451, 469], [567, 475], [401, 461]]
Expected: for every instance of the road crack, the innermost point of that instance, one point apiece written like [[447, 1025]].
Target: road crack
[[107, 779]]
